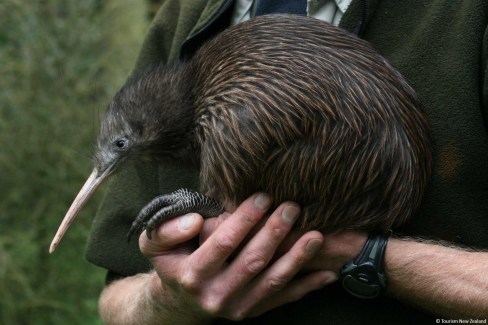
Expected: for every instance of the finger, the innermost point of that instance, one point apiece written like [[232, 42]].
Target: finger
[[339, 248], [211, 255], [254, 257], [294, 291], [280, 273], [210, 225], [234, 280], [170, 234]]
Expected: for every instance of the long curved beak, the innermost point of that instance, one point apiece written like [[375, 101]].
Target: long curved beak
[[91, 184]]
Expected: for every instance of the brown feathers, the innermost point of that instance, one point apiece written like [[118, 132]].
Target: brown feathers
[[304, 111]]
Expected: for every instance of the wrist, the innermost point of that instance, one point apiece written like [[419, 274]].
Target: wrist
[[352, 244], [128, 301], [338, 249], [347, 245], [172, 304], [364, 276], [151, 300]]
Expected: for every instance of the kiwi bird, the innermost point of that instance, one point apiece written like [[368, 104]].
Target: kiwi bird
[[284, 104]]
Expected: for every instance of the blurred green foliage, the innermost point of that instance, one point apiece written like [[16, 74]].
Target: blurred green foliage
[[60, 62]]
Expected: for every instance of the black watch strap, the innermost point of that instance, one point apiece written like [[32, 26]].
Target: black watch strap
[[364, 277]]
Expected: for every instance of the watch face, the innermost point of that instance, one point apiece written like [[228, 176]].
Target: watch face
[[364, 277], [359, 288], [366, 273]]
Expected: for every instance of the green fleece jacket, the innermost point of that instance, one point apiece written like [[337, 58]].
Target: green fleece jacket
[[440, 46]]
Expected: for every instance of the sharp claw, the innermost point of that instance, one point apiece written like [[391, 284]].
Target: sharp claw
[[133, 229], [166, 206]]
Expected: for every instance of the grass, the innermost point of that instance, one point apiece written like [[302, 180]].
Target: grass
[[61, 61]]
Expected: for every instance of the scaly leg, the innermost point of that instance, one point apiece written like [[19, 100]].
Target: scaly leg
[[167, 206]]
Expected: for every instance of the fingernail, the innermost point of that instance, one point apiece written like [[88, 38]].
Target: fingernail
[[290, 213], [186, 221], [262, 201], [313, 246]]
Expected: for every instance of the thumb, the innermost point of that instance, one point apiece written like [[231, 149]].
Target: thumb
[[170, 234]]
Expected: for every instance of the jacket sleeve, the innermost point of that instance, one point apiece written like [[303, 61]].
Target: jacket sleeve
[[173, 23]]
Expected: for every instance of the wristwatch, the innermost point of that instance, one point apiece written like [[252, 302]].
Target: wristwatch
[[364, 277]]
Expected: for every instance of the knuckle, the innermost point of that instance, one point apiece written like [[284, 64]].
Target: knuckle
[[189, 281], [277, 233], [217, 304], [254, 262], [224, 242], [276, 284], [212, 306], [249, 218]]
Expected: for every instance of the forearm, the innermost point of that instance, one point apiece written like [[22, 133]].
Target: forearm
[[141, 299], [447, 281]]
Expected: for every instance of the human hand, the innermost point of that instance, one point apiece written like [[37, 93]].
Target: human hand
[[203, 279], [338, 248]]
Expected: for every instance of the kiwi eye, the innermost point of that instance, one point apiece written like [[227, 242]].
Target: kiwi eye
[[121, 143]]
